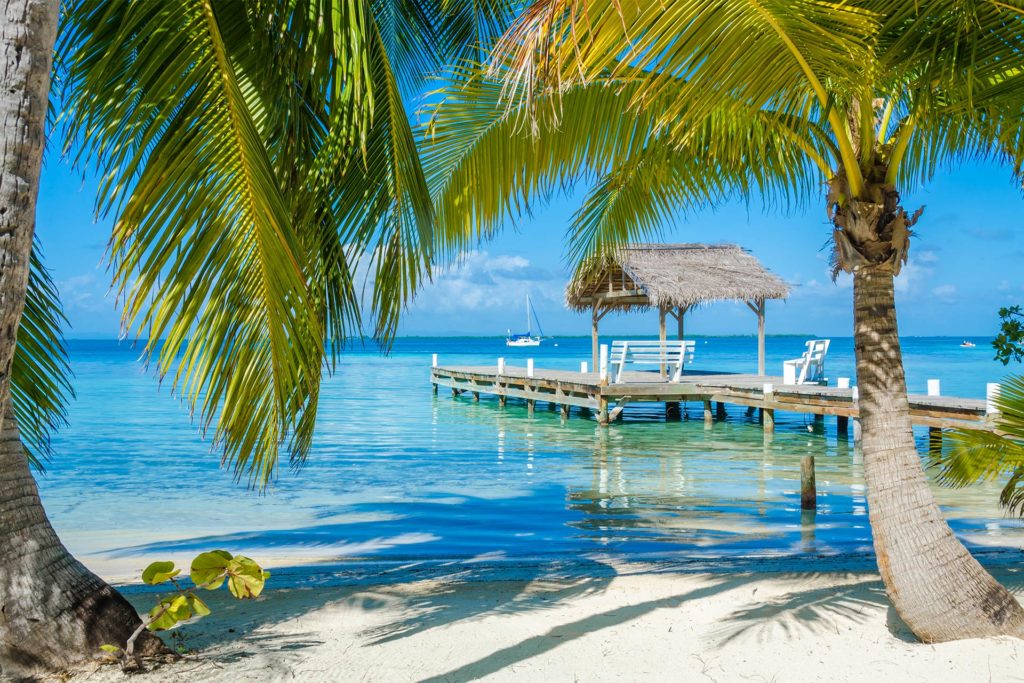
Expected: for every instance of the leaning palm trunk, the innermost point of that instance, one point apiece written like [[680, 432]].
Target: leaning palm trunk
[[936, 586], [53, 611]]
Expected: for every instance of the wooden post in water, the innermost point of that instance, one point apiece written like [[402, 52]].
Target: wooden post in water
[[842, 421], [602, 411], [476, 397], [808, 486], [719, 410], [531, 406], [768, 414], [708, 419], [856, 421], [934, 433], [564, 410], [433, 364]]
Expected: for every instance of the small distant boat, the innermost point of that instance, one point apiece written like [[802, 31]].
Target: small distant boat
[[966, 344], [527, 339]]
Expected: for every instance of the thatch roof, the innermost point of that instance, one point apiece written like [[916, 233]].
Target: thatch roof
[[673, 275]]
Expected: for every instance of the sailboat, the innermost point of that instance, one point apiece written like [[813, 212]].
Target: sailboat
[[526, 339]]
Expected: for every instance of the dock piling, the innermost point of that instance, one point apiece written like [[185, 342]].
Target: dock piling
[[529, 367], [501, 366], [768, 414], [808, 486], [856, 421], [934, 433], [708, 419], [843, 425], [719, 410]]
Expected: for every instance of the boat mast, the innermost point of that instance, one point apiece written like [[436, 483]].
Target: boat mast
[[528, 332]]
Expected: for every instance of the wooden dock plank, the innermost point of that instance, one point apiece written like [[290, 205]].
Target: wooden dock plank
[[587, 390]]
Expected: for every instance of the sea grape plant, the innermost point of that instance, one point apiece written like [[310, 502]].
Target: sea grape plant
[[209, 571]]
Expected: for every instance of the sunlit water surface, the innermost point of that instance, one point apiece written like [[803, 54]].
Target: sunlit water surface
[[397, 473]]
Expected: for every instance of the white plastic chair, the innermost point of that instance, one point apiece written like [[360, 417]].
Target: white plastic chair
[[808, 368]]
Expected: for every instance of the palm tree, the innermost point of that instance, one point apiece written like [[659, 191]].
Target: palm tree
[[254, 154], [675, 105]]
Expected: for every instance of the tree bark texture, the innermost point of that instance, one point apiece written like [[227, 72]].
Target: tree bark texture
[[54, 613], [936, 586]]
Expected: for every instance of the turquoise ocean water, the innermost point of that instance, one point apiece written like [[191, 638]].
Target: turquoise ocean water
[[398, 474]]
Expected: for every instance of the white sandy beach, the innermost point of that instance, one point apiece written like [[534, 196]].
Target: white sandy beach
[[623, 626]]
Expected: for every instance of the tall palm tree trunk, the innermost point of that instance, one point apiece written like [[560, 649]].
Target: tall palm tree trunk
[[936, 586], [53, 611]]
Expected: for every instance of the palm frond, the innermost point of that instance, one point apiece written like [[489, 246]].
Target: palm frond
[[41, 386], [253, 153], [483, 166], [975, 456]]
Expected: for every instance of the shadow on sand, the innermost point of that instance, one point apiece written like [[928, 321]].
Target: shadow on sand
[[443, 593]]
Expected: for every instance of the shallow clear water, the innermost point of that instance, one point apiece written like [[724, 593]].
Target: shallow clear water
[[399, 473]]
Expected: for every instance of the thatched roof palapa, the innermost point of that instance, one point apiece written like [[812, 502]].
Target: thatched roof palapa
[[672, 276]]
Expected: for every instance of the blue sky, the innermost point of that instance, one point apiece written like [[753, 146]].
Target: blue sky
[[964, 265]]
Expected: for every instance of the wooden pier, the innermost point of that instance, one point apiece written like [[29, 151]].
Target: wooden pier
[[767, 394]]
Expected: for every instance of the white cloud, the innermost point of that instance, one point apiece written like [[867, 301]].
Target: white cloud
[[926, 256], [945, 293], [911, 276], [479, 281], [84, 293]]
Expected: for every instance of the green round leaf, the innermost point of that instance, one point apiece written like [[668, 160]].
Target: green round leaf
[[245, 578], [163, 615], [208, 569], [197, 606], [158, 572]]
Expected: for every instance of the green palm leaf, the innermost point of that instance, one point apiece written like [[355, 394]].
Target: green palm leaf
[[975, 455], [40, 374], [256, 155]]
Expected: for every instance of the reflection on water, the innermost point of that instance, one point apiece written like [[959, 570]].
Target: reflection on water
[[398, 473]]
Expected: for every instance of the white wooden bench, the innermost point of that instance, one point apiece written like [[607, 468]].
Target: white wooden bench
[[670, 354], [808, 368]]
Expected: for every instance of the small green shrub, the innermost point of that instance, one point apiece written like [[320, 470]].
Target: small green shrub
[[209, 571]]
